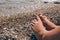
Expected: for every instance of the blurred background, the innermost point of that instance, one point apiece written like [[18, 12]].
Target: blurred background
[[11, 7]]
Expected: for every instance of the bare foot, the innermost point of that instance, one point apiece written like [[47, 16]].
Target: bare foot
[[47, 22], [38, 26], [40, 30]]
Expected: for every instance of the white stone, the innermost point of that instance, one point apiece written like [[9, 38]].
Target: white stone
[[5, 28]]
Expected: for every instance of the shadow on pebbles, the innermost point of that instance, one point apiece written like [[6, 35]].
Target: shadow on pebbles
[[18, 27]]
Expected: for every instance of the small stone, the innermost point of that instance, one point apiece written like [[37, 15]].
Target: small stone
[[15, 36], [4, 28], [45, 2]]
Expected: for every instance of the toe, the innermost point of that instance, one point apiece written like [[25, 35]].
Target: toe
[[42, 17], [47, 21], [37, 17], [32, 24], [33, 21]]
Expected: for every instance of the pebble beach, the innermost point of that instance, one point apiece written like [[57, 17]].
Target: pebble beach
[[16, 16]]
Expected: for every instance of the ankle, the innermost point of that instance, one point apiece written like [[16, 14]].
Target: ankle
[[43, 33]]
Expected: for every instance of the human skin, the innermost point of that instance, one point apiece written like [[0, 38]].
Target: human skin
[[40, 30]]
